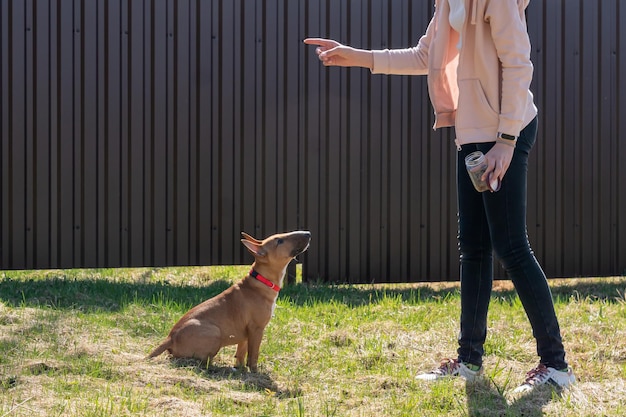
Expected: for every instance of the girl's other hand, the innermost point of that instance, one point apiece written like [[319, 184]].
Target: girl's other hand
[[498, 160]]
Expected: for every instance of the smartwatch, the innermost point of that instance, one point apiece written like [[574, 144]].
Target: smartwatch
[[506, 137]]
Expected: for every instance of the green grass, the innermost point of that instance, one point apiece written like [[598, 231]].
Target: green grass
[[73, 343]]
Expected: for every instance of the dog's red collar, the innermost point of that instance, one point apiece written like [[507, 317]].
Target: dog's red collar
[[264, 280]]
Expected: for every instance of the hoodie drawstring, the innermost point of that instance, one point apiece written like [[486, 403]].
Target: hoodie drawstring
[[474, 12]]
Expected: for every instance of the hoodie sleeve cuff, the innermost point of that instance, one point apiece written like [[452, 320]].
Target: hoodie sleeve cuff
[[381, 62], [510, 127]]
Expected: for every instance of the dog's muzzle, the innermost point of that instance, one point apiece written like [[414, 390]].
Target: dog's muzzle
[[304, 239]]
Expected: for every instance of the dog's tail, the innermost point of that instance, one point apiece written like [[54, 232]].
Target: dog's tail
[[166, 344]]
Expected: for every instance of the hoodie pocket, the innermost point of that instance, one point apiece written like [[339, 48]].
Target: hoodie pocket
[[474, 110]]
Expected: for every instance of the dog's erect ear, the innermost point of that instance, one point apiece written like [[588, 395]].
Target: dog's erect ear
[[255, 249], [251, 239]]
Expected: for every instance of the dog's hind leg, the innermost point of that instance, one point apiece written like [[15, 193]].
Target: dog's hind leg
[[195, 340]]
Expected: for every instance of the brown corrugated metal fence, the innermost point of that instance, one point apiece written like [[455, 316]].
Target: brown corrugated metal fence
[[152, 132]]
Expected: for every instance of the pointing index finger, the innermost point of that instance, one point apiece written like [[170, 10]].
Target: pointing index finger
[[320, 42]]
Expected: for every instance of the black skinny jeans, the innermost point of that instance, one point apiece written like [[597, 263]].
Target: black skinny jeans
[[496, 222]]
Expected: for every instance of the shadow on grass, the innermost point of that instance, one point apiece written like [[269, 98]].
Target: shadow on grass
[[256, 381], [485, 400], [93, 294], [357, 295]]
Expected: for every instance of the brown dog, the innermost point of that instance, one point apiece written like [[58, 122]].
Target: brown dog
[[238, 316]]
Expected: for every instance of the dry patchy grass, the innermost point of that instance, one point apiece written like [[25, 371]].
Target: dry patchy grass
[[73, 344]]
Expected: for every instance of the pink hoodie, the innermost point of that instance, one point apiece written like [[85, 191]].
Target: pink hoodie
[[484, 89]]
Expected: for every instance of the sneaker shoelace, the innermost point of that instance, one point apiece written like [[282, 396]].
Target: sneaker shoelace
[[447, 366], [537, 375]]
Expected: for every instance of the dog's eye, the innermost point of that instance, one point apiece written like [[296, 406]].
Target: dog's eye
[[279, 242]]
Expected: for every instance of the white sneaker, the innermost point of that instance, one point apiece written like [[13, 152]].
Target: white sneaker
[[450, 368], [544, 375]]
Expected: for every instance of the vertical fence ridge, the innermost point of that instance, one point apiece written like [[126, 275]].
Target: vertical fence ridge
[[153, 132]]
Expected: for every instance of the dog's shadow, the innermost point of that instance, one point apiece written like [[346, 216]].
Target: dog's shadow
[[484, 399], [258, 381]]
